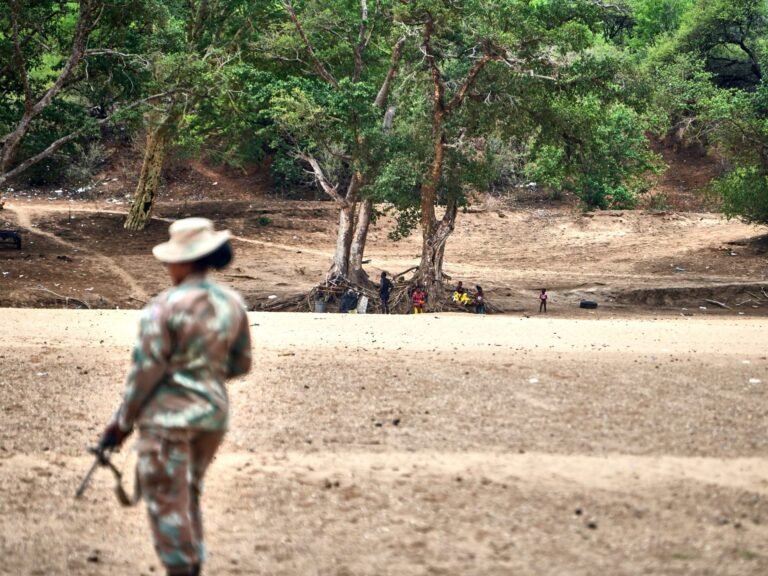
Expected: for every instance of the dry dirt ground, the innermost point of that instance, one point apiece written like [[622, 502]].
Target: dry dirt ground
[[631, 439], [640, 262], [447, 444]]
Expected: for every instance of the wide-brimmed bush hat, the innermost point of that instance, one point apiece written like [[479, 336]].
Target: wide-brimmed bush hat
[[191, 239]]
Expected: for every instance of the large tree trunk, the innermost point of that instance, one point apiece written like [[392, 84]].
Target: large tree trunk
[[160, 135], [363, 221], [434, 233], [340, 267], [430, 272], [340, 264]]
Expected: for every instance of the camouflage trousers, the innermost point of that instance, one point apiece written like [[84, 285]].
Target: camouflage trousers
[[171, 466]]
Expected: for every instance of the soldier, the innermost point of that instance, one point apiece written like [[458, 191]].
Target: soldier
[[192, 338]]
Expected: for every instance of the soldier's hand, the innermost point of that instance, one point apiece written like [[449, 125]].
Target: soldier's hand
[[113, 436]]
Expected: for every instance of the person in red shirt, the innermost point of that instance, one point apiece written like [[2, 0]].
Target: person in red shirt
[[418, 298]]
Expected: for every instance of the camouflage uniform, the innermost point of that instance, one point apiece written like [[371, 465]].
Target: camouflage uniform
[[192, 338]]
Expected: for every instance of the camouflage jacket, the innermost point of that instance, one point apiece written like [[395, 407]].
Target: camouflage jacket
[[192, 337]]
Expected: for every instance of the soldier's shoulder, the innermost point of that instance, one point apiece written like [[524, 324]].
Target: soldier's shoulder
[[157, 303], [230, 294], [183, 293]]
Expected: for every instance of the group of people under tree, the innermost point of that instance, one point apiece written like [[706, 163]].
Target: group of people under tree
[[461, 296], [418, 296], [464, 297]]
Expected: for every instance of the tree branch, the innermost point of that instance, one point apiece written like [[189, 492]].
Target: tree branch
[[57, 144], [530, 73], [319, 68], [328, 188], [397, 51], [458, 97], [84, 26], [438, 98], [86, 21], [360, 46], [124, 55], [754, 62]]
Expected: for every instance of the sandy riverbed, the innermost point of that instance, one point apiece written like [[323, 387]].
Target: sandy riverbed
[[452, 444]]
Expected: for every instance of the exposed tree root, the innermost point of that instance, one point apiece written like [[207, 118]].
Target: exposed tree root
[[65, 299]]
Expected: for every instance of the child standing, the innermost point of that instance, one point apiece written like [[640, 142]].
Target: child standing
[[418, 298], [543, 300], [479, 300]]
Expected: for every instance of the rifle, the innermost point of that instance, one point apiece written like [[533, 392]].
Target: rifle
[[102, 459]]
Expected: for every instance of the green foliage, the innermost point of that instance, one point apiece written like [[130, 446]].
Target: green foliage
[[556, 115], [709, 88], [229, 123], [322, 104], [730, 36], [569, 106], [656, 17], [398, 183], [548, 169], [506, 162], [285, 171], [604, 158], [36, 40], [654, 20], [744, 193]]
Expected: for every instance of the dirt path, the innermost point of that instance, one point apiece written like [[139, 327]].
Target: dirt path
[[25, 219], [24, 216]]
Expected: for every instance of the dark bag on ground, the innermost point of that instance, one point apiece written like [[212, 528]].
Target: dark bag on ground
[[587, 304]]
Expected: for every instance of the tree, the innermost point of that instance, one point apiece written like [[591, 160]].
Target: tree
[[739, 123], [730, 36], [59, 83], [435, 232], [638, 24], [190, 54], [601, 153], [24, 24], [515, 71], [710, 84], [335, 63]]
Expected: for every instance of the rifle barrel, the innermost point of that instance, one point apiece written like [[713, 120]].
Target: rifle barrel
[[87, 479]]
